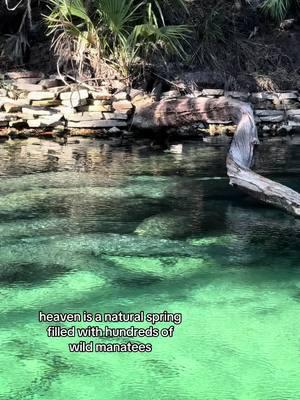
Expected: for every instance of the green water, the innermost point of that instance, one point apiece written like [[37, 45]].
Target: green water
[[88, 228]]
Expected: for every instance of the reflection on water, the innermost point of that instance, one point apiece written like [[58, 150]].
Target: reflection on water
[[84, 227]]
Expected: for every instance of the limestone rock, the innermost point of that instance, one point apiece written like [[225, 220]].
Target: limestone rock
[[24, 74], [23, 116], [58, 89], [7, 117], [46, 103], [96, 124], [294, 115], [3, 92], [42, 122], [18, 124], [119, 85], [65, 110], [82, 132], [293, 123], [295, 118], [3, 134], [4, 100], [34, 123], [11, 107], [122, 105], [38, 111], [92, 108], [116, 115], [12, 94], [136, 92], [243, 96], [171, 94], [121, 96], [21, 102], [267, 105], [21, 96], [41, 95], [288, 104], [142, 100], [75, 95], [101, 94], [50, 83], [261, 96], [29, 80], [288, 95], [114, 130], [28, 87], [212, 92], [93, 102], [74, 102], [85, 116], [272, 118], [195, 93], [273, 113]]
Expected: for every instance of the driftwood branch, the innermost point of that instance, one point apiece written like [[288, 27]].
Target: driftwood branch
[[175, 113]]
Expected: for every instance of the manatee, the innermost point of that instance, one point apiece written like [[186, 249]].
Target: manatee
[[47, 257], [162, 267], [98, 244], [29, 272], [73, 287], [222, 240], [167, 225]]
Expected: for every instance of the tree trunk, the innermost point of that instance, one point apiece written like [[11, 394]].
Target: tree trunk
[[175, 113]]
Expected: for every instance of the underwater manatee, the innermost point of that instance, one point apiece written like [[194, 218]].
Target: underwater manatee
[[165, 225], [162, 268], [71, 288]]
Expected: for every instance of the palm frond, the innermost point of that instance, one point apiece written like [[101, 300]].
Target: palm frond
[[276, 9], [118, 14]]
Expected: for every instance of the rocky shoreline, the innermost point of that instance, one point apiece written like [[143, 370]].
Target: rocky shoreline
[[32, 105]]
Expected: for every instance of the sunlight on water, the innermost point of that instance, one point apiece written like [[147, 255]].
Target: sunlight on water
[[90, 229]]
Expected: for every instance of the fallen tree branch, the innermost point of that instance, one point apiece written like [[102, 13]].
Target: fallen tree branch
[[175, 113]]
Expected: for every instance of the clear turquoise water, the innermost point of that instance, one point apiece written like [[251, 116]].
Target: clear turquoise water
[[86, 228]]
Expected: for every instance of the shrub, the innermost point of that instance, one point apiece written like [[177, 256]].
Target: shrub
[[118, 34]]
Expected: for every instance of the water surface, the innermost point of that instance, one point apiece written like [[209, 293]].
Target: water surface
[[87, 227]]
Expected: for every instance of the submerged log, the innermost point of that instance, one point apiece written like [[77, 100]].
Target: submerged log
[[179, 112]]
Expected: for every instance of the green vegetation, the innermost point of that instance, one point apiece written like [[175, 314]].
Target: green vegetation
[[125, 38], [113, 33], [276, 9]]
